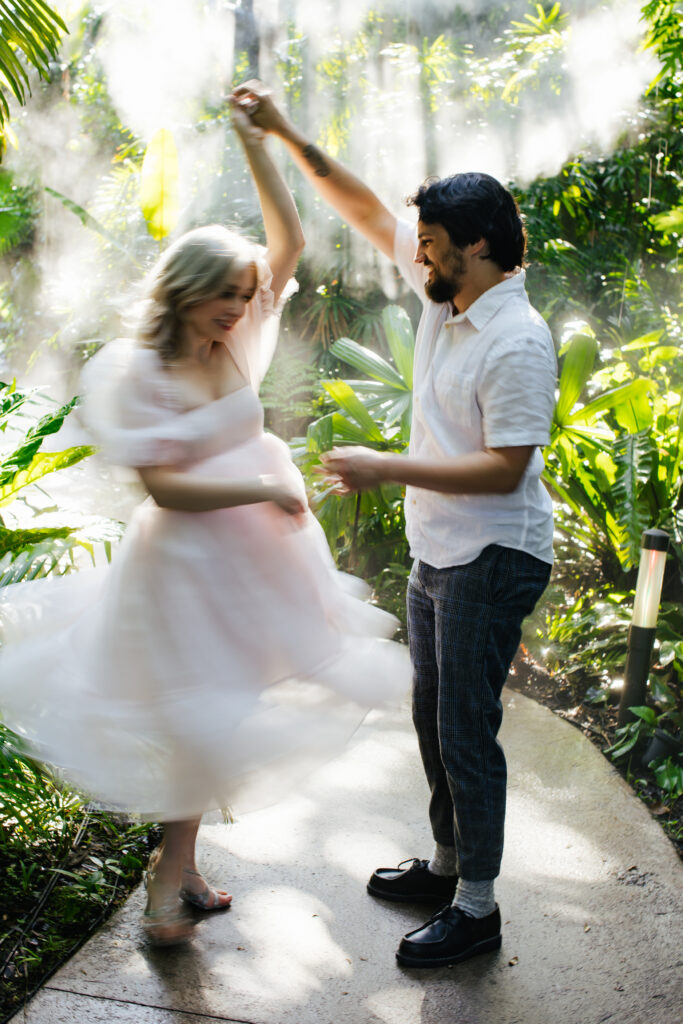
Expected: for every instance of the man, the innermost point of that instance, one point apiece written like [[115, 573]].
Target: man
[[478, 518]]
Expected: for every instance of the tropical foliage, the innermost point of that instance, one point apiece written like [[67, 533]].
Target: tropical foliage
[[605, 228], [30, 28], [28, 552]]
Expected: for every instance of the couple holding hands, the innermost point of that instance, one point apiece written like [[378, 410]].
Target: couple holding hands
[[221, 654]]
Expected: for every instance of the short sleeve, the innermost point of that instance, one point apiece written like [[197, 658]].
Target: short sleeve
[[254, 338], [405, 247], [130, 409], [516, 392]]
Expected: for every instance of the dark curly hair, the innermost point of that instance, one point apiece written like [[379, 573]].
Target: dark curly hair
[[473, 206]]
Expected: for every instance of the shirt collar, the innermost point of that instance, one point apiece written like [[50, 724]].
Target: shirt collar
[[490, 301]]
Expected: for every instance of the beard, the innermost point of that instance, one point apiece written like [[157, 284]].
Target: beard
[[443, 287]]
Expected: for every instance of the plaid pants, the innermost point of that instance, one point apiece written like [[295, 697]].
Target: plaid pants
[[464, 627]]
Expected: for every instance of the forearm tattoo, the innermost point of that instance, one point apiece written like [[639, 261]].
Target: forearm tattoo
[[315, 158]]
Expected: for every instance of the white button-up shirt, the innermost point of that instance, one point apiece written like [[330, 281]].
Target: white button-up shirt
[[484, 378]]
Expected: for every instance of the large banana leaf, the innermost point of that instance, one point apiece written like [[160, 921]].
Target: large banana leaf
[[159, 185]]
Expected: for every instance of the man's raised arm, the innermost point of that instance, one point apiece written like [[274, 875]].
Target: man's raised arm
[[346, 193]]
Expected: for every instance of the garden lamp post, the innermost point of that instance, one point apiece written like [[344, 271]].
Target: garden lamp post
[[641, 634]]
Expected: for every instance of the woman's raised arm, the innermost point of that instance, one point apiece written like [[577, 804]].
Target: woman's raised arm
[[284, 234]]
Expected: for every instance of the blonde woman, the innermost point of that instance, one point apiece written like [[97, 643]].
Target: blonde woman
[[221, 655]]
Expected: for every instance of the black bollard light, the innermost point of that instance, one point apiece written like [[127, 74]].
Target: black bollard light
[[654, 545]]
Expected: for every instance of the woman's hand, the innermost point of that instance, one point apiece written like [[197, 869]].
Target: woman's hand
[[257, 102], [284, 495], [248, 132]]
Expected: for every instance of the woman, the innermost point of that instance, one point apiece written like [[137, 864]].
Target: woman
[[220, 655]]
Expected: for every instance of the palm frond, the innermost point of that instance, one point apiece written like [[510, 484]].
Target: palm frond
[[30, 33]]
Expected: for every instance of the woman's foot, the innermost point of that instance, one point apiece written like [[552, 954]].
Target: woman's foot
[[165, 921], [197, 891]]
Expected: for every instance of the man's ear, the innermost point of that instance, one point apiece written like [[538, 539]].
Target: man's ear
[[480, 249]]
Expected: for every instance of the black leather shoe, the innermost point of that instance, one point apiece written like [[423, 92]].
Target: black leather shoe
[[414, 884], [448, 937]]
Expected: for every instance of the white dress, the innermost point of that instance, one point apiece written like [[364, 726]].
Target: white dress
[[221, 655]]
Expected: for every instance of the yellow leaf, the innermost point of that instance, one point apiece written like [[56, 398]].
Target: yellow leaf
[[159, 185], [10, 136]]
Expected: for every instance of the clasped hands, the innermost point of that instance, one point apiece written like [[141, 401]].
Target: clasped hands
[[253, 111]]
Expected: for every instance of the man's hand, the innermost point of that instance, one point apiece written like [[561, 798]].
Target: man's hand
[[357, 469], [256, 100]]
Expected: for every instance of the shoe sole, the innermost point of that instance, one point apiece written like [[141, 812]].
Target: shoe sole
[[410, 897], [486, 946]]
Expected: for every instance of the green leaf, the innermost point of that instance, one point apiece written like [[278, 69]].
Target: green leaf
[[623, 397], [668, 222], [346, 397], [89, 221], [15, 541], [159, 185], [34, 29], [319, 436], [346, 432], [647, 714], [645, 341], [367, 361], [634, 459], [39, 466], [21, 457], [577, 365], [401, 340]]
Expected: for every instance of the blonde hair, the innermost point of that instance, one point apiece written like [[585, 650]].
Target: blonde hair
[[193, 269]]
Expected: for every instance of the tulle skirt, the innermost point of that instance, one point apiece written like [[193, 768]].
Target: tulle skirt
[[219, 658]]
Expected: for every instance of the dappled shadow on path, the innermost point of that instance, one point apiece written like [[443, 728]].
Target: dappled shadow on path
[[588, 883]]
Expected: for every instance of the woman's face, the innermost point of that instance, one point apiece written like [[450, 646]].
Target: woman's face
[[215, 318]]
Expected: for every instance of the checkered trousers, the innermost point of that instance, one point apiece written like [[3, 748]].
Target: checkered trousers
[[464, 627]]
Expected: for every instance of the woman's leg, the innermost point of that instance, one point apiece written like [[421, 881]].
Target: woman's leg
[[175, 865], [165, 920], [177, 851]]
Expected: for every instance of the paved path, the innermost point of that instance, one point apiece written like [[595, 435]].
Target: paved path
[[590, 895]]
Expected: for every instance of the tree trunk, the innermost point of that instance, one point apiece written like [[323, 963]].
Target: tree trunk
[[247, 39]]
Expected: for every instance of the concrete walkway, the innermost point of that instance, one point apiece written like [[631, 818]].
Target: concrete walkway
[[590, 895]]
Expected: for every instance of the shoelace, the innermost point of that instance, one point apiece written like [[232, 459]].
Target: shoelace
[[414, 862], [442, 912]]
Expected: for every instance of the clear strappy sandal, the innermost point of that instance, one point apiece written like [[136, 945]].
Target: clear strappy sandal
[[167, 924], [207, 898]]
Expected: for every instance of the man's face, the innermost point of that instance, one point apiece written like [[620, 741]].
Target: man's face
[[445, 261]]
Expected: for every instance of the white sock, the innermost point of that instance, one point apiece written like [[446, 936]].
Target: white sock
[[475, 898], [444, 861]]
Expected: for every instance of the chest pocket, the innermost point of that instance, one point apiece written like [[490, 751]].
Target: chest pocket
[[456, 397]]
